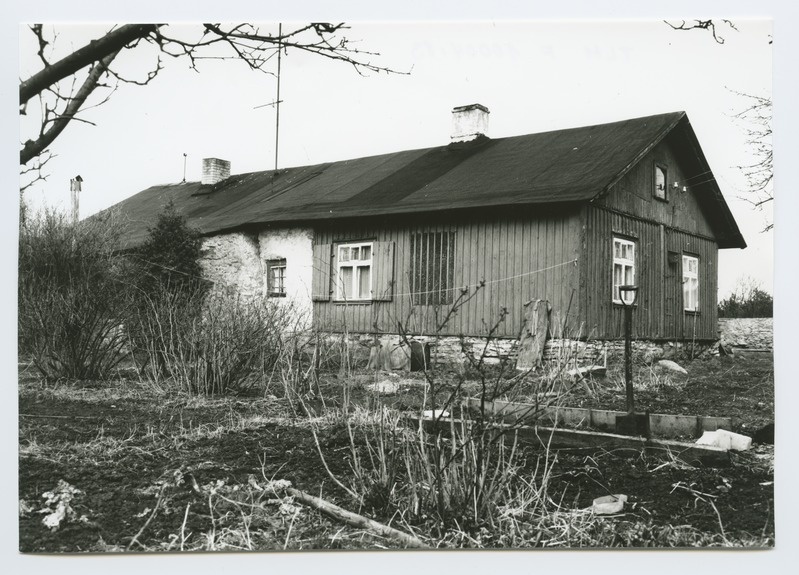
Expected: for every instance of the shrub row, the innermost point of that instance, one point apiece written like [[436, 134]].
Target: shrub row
[[85, 307]]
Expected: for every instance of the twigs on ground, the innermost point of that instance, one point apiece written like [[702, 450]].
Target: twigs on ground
[[135, 539]]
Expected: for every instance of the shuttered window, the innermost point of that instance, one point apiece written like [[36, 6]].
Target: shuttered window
[[320, 290], [432, 267], [690, 283], [354, 271], [623, 268]]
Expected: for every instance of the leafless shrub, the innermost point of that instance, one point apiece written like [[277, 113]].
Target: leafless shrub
[[209, 346], [71, 296], [469, 474]]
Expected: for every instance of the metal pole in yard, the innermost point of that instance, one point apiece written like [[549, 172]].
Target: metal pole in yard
[[628, 358], [628, 344]]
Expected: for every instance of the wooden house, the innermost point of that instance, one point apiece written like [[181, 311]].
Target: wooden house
[[482, 225]]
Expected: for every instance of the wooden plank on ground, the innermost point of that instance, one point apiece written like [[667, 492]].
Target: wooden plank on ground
[[661, 425], [590, 441]]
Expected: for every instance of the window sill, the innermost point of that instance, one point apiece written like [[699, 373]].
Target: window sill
[[620, 304], [277, 295], [352, 301], [692, 312], [664, 200]]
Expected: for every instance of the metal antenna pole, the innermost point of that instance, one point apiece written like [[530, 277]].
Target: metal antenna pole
[[277, 100], [184, 167]]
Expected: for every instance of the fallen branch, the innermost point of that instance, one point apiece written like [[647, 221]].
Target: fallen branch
[[347, 517]]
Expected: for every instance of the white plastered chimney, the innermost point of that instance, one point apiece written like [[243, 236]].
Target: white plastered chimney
[[214, 171], [469, 122]]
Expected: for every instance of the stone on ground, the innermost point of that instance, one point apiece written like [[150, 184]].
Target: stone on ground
[[725, 440], [609, 504], [669, 365], [385, 386]]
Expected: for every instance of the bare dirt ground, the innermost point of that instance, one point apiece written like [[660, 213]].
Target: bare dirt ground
[[157, 472]]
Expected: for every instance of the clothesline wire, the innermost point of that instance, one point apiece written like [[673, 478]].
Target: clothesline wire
[[486, 282]]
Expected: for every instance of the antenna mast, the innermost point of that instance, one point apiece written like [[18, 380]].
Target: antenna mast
[[277, 100], [276, 103]]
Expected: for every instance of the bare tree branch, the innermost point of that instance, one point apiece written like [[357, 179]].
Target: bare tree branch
[[94, 51], [242, 41], [702, 25], [33, 148], [755, 119], [37, 30], [34, 173]]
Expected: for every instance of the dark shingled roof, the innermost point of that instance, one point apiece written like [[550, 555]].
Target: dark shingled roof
[[571, 165]]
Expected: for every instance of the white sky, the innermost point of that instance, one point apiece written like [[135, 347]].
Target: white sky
[[533, 76]]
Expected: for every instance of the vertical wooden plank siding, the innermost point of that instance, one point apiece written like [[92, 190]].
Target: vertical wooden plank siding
[[511, 253], [704, 324], [659, 310]]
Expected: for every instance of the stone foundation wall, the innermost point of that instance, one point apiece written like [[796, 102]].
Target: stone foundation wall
[[748, 333], [452, 350], [233, 263]]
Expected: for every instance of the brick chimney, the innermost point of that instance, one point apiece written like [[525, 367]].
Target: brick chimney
[[214, 171], [469, 122]]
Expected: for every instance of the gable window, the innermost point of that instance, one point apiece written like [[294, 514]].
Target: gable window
[[354, 271], [623, 268], [432, 267], [690, 283], [276, 278], [660, 182]]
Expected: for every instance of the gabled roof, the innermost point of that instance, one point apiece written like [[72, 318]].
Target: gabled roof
[[571, 165]]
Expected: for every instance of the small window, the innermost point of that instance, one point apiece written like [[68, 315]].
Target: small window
[[690, 283], [660, 182], [276, 278], [432, 268], [354, 271], [623, 268]]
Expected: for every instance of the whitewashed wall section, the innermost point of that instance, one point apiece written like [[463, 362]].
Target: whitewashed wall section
[[237, 264], [295, 245]]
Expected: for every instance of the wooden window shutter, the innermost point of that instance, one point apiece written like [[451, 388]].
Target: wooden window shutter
[[321, 272], [383, 262]]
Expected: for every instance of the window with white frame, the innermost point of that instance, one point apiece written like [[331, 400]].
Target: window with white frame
[[276, 277], [354, 271], [623, 268], [690, 283]]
